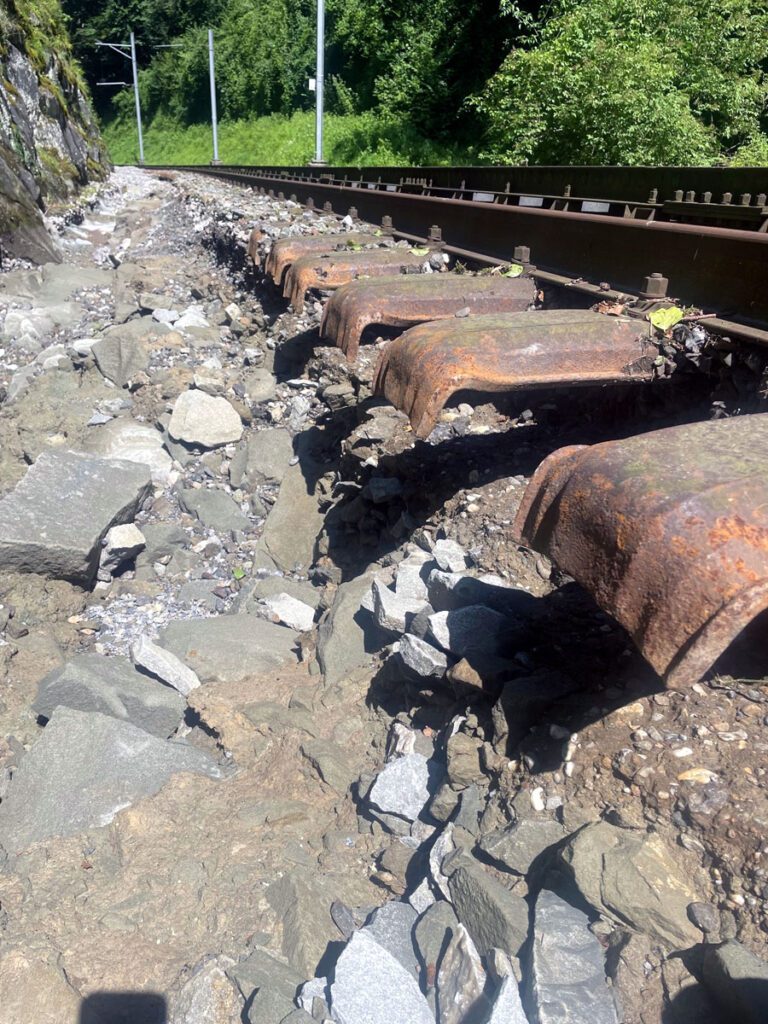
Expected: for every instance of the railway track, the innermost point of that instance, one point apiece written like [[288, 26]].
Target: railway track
[[668, 531]]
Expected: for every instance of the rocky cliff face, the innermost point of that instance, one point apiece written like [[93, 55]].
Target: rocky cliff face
[[49, 142]]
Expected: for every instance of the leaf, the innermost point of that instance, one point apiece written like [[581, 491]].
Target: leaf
[[419, 252], [378, 232], [355, 246], [513, 270], [238, 572], [664, 319]]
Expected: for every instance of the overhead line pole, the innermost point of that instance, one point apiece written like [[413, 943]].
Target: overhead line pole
[[319, 82], [214, 113], [128, 50]]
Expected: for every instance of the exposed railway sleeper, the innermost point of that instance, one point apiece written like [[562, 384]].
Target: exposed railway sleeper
[[407, 300], [419, 371], [285, 251], [331, 270], [667, 530]]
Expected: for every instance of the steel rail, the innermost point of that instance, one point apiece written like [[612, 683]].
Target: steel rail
[[719, 270]]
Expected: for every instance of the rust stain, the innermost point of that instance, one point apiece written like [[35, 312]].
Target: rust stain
[[735, 528]]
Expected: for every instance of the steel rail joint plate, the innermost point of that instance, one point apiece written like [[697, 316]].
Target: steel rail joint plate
[[286, 251], [419, 371], [667, 530], [331, 270], [415, 298]]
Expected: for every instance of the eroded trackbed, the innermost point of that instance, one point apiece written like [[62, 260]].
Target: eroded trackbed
[[668, 531]]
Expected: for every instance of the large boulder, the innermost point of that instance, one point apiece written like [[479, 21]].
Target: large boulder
[[83, 770], [202, 421], [632, 878], [126, 438], [53, 522], [228, 648], [112, 686]]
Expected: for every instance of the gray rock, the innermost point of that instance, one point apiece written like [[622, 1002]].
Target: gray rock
[[166, 666], [432, 933], [738, 980], [290, 612], [297, 1016], [83, 770], [371, 987], [202, 593], [331, 763], [215, 509], [493, 916], [706, 917], [264, 458], [315, 988], [522, 703], [267, 985], [203, 421], [402, 787], [449, 555], [228, 648], [121, 544], [515, 848], [249, 599], [409, 582], [100, 493], [112, 686], [208, 996], [307, 926], [120, 357], [568, 968], [450, 590], [632, 878], [465, 629], [162, 540], [471, 806], [391, 925], [294, 521], [346, 638], [381, 489], [393, 611], [460, 981], [507, 1007]]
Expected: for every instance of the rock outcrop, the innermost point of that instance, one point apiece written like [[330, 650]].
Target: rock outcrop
[[49, 142]]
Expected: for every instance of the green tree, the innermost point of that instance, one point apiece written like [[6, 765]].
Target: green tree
[[632, 82]]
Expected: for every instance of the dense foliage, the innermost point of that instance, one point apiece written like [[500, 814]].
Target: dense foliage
[[608, 81]]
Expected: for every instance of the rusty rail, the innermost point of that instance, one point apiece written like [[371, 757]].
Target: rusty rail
[[721, 271]]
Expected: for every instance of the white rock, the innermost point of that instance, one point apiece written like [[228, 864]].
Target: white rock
[[391, 610], [449, 555], [507, 1008], [191, 317], [460, 979], [442, 846], [422, 658], [290, 611], [421, 898], [371, 987], [165, 316], [121, 544], [402, 787], [409, 582], [200, 419], [166, 666]]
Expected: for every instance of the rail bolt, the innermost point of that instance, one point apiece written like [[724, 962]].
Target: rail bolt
[[327, 208], [281, 196], [654, 287], [521, 254], [386, 223], [435, 234]]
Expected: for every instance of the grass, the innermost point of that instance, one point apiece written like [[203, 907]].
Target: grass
[[350, 139]]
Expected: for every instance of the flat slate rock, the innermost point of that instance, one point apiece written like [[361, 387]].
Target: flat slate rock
[[402, 787], [568, 983], [264, 458], [112, 686], [126, 438], [83, 770], [494, 917], [391, 925], [227, 648], [53, 522], [215, 509], [372, 987]]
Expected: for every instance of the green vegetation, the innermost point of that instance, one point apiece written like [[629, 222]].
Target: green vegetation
[[441, 81], [349, 139]]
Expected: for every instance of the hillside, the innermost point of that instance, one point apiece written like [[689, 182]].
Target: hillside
[[49, 140]]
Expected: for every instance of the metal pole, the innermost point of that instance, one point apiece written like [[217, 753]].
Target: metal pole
[[319, 82], [138, 101], [214, 116]]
